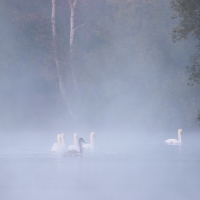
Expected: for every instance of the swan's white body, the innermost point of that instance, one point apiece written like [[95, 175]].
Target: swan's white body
[[91, 145], [60, 145], [174, 141], [74, 146], [57, 146], [74, 152]]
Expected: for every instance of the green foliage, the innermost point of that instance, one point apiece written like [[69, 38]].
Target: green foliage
[[194, 70], [188, 12]]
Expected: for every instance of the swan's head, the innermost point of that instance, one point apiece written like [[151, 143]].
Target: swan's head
[[59, 135], [81, 140], [62, 135], [92, 134], [75, 136], [180, 130]]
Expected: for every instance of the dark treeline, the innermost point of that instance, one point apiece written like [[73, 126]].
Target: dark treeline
[[130, 74]]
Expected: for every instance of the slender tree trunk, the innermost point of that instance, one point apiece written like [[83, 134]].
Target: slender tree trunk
[[72, 4], [58, 67]]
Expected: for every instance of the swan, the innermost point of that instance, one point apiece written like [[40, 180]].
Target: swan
[[91, 145], [174, 141], [75, 152], [74, 146], [62, 139], [57, 146]]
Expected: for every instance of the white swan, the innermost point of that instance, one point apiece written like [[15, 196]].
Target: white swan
[[62, 139], [74, 146], [174, 141], [78, 152], [91, 145], [57, 146]]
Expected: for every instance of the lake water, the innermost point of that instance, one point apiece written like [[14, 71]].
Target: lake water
[[144, 172]]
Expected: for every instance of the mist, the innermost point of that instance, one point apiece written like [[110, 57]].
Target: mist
[[132, 91], [131, 78]]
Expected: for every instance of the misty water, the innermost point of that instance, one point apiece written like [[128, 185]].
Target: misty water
[[139, 170]]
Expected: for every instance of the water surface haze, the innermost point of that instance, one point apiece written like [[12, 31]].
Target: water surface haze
[[120, 167], [125, 80]]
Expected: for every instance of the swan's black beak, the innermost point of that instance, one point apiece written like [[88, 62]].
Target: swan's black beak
[[84, 141]]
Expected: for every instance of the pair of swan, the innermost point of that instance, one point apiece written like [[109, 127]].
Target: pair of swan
[[174, 141], [85, 146], [77, 149], [58, 147]]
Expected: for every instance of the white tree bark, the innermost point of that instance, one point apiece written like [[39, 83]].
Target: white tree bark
[[72, 4], [58, 68]]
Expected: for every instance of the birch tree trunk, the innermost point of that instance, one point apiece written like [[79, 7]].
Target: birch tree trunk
[[72, 4], [58, 67]]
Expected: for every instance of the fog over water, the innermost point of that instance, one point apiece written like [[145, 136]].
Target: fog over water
[[118, 168], [133, 93]]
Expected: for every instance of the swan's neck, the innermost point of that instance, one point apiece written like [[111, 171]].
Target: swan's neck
[[62, 141], [92, 140], [75, 140], [58, 140], [179, 137], [80, 147]]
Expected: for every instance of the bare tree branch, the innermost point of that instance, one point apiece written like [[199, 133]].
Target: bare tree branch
[[79, 26]]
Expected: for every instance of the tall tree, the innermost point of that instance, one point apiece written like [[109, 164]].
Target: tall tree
[[57, 63], [68, 76], [72, 4]]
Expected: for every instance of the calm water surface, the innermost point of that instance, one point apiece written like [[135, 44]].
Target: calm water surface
[[146, 172]]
